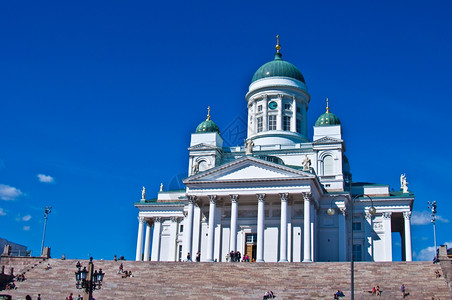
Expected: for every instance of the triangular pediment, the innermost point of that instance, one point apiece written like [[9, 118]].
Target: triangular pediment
[[248, 169], [327, 140]]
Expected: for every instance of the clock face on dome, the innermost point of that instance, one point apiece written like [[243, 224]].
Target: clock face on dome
[[273, 105]]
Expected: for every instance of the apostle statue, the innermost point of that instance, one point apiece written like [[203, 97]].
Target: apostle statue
[[306, 163], [403, 183], [143, 193], [195, 168], [161, 187], [249, 144]]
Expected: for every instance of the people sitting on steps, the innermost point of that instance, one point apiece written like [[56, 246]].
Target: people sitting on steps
[[339, 294]]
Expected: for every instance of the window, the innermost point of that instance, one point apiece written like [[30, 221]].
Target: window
[[298, 109], [251, 238], [328, 165], [286, 123], [298, 125], [259, 124], [356, 226], [181, 229], [287, 106], [259, 108], [272, 122], [357, 253]]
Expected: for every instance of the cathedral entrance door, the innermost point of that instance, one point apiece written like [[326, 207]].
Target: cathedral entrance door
[[250, 248]]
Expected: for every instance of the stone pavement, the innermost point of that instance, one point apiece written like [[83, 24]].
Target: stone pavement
[[191, 280]]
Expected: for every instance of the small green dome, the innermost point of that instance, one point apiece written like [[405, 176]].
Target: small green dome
[[327, 119], [207, 126], [278, 68]]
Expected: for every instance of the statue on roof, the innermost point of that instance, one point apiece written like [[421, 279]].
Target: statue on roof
[[195, 168], [249, 144], [306, 163], [161, 187], [403, 183], [143, 193]]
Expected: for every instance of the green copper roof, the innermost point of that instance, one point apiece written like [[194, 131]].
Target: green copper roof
[[207, 126], [278, 68], [327, 119]]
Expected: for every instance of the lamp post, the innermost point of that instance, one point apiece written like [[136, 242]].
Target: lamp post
[[432, 206], [87, 280], [47, 211], [372, 210]]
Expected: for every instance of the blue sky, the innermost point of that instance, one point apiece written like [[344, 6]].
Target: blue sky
[[99, 98]]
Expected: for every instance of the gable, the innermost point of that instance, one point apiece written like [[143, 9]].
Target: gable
[[327, 140], [248, 169]]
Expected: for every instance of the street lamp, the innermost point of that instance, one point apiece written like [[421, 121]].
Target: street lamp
[[372, 210], [47, 211], [86, 280], [432, 206]]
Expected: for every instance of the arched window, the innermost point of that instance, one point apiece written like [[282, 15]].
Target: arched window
[[328, 165]]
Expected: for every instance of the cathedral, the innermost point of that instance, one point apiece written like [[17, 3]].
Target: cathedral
[[281, 197]]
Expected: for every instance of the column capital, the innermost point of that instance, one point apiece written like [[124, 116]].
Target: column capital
[[387, 215], [306, 195], [212, 198], [284, 196], [185, 214], [368, 216], [407, 215], [260, 197], [234, 198], [158, 219], [140, 219], [174, 219], [343, 210], [191, 199]]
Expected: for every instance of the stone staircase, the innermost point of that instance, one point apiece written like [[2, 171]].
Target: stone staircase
[[183, 280]]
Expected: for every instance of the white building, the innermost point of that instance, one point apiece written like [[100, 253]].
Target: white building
[[278, 198]]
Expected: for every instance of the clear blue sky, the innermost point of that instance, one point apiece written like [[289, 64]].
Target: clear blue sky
[[101, 97]]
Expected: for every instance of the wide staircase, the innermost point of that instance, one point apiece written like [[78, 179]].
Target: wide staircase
[[184, 280]]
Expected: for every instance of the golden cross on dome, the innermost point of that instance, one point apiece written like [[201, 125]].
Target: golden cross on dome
[[208, 113], [278, 46], [327, 106]]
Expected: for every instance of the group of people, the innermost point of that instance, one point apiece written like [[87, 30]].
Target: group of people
[[269, 295], [234, 256], [124, 273], [376, 291], [28, 297], [21, 277], [198, 256]]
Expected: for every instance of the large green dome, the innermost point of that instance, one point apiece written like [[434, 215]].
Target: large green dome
[[207, 126], [278, 68]]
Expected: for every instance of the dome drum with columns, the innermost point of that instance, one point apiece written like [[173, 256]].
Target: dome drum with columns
[[280, 197]]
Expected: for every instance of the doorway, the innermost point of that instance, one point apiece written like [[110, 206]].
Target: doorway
[[250, 247]]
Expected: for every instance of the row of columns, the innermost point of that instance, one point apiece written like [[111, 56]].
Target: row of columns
[[260, 226]]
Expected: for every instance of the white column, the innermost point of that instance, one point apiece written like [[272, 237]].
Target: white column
[[260, 227], [408, 251], [283, 228], [155, 256], [312, 231], [289, 232], [140, 238], [173, 240], [147, 242], [293, 126], [342, 235], [387, 237], [368, 241], [189, 226], [307, 229], [211, 237], [234, 212]]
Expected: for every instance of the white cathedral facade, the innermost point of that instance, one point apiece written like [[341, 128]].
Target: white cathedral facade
[[279, 198]]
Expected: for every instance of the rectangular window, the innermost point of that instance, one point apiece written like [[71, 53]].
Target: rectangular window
[[259, 108], [259, 124], [287, 106], [357, 253], [298, 125], [271, 122], [286, 123], [181, 229], [356, 226]]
